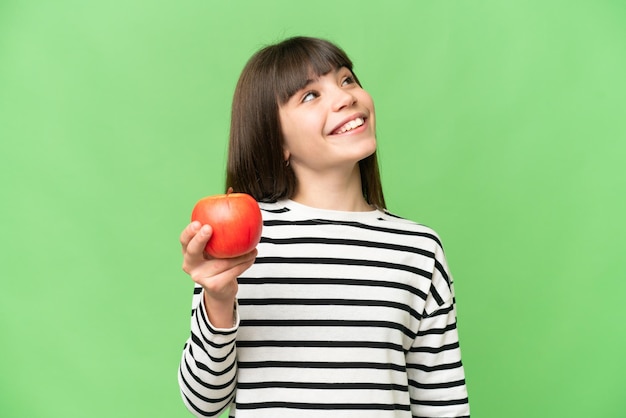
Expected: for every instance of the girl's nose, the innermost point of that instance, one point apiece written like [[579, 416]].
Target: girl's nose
[[343, 99]]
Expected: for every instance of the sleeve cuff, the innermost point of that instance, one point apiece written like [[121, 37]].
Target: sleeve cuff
[[206, 323]]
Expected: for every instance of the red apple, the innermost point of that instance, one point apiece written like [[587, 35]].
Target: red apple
[[236, 222]]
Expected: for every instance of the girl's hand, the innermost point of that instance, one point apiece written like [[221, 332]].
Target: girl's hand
[[217, 276]]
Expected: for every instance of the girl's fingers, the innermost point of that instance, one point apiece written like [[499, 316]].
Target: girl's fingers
[[188, 233], [193, 240], [216, 275], [219, 276], [228, 266], [195, 246]]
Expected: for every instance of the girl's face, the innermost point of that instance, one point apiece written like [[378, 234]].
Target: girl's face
[[328, 124]]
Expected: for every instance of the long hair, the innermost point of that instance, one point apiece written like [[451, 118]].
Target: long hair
[[255, 154]]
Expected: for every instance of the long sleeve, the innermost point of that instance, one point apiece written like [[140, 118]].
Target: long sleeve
[[343, 314], [436, 375], [208, 368]]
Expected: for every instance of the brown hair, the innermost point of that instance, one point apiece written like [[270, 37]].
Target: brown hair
[[255, 155]]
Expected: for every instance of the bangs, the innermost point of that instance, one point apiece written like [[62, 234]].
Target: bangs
[[297, 60]]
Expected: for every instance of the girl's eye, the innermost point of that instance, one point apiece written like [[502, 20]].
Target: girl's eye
[[309, 96], [348, 80]]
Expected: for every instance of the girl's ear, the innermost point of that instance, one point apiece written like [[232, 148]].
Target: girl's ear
[[286, 155]]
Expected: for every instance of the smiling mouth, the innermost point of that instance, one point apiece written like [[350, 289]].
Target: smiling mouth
[[348, 126]]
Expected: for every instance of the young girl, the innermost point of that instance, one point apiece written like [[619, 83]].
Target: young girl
[[343, 310]]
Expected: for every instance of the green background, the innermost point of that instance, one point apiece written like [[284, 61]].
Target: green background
[[501, 124]]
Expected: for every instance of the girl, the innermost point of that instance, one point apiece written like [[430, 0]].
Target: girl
[[343, 310]]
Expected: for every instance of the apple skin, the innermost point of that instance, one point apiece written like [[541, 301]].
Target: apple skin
[[236, 221]]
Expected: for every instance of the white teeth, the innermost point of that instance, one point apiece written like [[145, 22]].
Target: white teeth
[[355, 123]]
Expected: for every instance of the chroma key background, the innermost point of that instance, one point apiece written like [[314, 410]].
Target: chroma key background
[[501, 124]]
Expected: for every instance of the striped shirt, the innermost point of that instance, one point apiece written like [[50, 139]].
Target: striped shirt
[[343, 314]]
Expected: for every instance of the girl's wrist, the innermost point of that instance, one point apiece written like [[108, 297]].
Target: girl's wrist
[[221, 313]]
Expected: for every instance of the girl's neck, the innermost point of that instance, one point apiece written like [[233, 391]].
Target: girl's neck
[[332, 192]]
